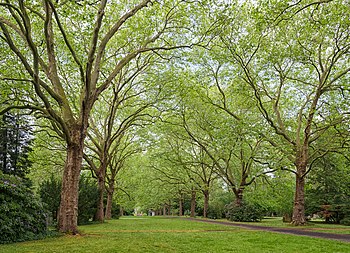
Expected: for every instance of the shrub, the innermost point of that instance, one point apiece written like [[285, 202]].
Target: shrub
[[88, 198], [216, 212], [345, 221], [218, 204], [115, 210], [50, 193], [245, 212], [22, 216]]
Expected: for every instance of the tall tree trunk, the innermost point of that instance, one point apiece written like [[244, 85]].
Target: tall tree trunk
[[206, 203], [299, 202], [298, 217], [170, 212], [181, 205], [239, 197], [110, 193], [99, 215], [193, 203], [164, 210], [68, 211], [101, 175]]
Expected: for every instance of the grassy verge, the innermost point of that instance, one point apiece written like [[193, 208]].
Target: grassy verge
[[174, 235], [318, 225]]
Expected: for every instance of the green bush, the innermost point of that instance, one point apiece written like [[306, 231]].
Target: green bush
[[218, 204], [22, 215], [215, 213], [88, 198], [345, 221], [50, 193], [115, 210], [246, 212]]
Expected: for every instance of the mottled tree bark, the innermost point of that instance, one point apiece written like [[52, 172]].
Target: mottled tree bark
[[99, 216], [110, 193], [298, 217], [193, 203], [299, 202], [239, 197], [206, 203], [181, 205], [68, 211]]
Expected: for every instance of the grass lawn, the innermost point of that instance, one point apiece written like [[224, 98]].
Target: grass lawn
[[317, 225], [155, 234]]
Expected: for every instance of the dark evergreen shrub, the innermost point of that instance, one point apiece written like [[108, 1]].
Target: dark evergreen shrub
[[50, 193], [246, 212], [15, 144], [345, 221], [216, 212], [115, 210], [22, 216], [88, 198]]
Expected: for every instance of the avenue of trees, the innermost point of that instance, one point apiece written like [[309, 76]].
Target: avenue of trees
[[177, 107]]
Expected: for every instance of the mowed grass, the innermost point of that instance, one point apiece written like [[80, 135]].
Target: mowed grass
[[317, 226], [155, 234]]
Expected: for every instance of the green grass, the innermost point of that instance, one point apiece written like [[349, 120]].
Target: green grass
[[156, 234], [317, 225]]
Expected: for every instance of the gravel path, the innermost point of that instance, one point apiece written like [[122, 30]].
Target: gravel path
[[293, 231]]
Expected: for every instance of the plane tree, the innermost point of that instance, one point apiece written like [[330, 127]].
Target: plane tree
[[68, 53], [179, 160], [120, 111], [297, 67], [225, 122]]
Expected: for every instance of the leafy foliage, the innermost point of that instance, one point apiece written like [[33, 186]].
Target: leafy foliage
[[329, 193], [345, 221], [219, 201], [88, 196], [246, 212], [22, 215], [115, 210], [274, 194], [14, 144], [50, 193]]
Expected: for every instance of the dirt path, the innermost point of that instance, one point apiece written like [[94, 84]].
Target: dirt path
[[293, 231]]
